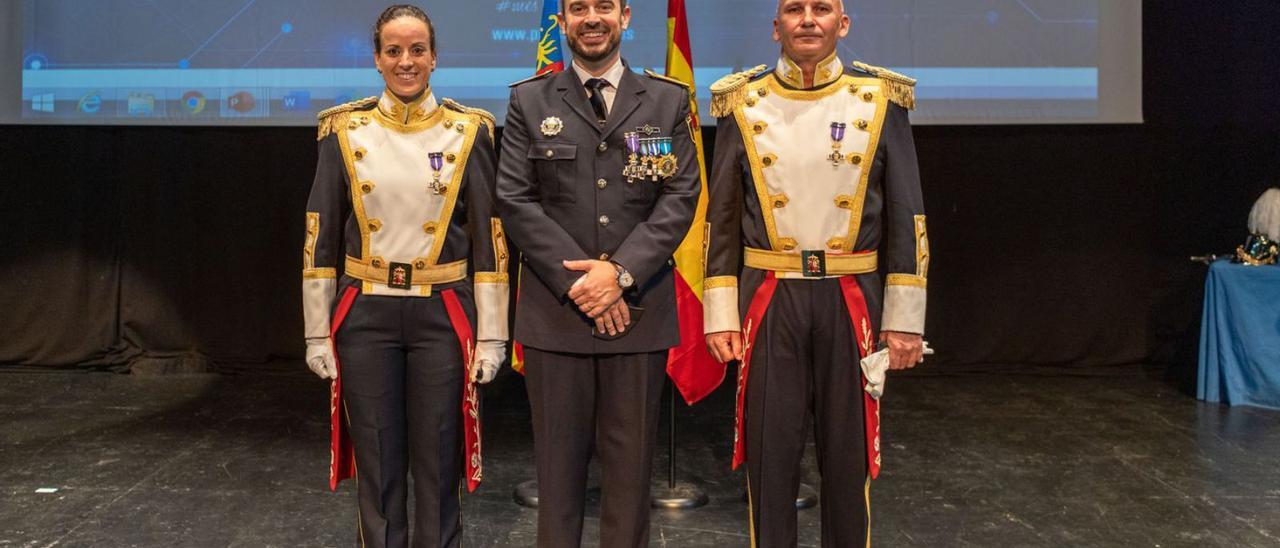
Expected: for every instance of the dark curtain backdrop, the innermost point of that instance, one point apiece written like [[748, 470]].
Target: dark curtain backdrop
[[1063, 245]]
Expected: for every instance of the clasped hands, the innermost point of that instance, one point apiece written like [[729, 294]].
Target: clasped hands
[[905, 349], [599, 296]]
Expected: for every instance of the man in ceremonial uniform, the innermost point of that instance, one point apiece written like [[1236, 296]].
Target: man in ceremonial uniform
[[814, 194], [597, 185]]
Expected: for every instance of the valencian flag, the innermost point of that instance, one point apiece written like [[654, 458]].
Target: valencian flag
[[550, 59], [550, 56], [690, 366]]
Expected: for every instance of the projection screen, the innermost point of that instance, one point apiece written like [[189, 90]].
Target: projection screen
[[278, 62]]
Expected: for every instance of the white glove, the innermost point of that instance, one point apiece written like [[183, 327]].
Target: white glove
[[875, 366], [320, 357], [488, 357]]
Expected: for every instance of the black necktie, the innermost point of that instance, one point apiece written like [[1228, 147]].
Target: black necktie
[[596, 87]]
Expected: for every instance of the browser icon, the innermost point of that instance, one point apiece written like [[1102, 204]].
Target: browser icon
[[91, 103], [193, 102]]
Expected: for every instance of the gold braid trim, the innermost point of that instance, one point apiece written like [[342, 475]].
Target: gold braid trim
[[897, 87], [485, 116], [728, 92], [333, 119]]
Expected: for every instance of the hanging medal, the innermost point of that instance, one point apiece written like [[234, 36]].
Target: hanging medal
[[647, 150], [837, 138], [666, 164], [632, 170], [437, 164]]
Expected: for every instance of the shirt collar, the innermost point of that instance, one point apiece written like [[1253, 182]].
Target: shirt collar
[[613, 75], [828, 70], [405, 113]]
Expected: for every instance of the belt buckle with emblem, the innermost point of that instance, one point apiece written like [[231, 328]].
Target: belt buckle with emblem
[[813, 264], [552, 126], [400, 276]]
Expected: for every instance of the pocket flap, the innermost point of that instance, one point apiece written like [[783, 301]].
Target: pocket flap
[[552, 151]]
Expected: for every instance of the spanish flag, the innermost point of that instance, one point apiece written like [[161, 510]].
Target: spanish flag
[[695, 373], [550, 58]]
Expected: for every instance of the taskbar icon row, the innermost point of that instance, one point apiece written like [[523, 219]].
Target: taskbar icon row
[[173, 103]]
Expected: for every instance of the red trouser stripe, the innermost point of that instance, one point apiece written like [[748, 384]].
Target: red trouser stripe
[[864, 333], [470, 394], [342, 457]]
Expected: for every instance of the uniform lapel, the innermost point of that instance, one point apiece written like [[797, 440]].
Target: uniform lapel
[[625, 103], [576, 97]]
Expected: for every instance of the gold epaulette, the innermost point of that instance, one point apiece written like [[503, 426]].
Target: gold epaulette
[[727, 92], [529, 79], [333, 118], [897, 87], [485, 116]]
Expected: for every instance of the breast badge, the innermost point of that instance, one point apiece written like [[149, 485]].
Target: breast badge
[[552, 126]]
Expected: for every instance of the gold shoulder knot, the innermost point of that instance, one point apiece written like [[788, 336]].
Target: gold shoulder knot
[[530, 79], [729, 91], [898, 88], [485, 116], [332, 119]]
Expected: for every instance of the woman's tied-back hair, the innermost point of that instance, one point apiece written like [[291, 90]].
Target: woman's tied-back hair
[[395, 12]]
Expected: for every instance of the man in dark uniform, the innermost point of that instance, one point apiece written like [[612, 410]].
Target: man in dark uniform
[[814, 194], [597, 185]]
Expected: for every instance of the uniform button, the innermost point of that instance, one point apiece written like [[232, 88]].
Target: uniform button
[[602, 183], [377, 263], [604, 256], [551, 153], [604, 220], [604, 147], [420, 265]]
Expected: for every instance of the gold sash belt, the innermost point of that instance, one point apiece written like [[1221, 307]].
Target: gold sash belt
[[836, 265], [379, 271]]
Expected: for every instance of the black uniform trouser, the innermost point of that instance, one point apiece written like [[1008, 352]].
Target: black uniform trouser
[[611, 403], [805, 373], [402, 378]]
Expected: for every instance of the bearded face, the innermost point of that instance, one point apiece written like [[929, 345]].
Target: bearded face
[[594, 28]]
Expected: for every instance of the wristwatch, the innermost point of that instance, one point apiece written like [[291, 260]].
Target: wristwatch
[[625, 280]]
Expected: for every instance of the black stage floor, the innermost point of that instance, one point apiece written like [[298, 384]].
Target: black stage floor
[[1017, 457]]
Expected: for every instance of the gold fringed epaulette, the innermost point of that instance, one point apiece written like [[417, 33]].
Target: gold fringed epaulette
[[729, 91], [485, 116], [530, 79], [665, 78], [898, 88], [333, 118]]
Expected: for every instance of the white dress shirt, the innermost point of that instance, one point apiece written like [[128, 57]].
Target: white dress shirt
[[613, 76]]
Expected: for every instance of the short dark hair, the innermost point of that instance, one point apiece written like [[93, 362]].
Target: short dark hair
[[621, 3], [395, 12]]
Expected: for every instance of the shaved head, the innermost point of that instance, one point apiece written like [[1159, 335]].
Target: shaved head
[[839, 4], [808, 30]]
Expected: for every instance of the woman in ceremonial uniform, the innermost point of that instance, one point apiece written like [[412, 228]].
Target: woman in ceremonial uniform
[[405, 289]]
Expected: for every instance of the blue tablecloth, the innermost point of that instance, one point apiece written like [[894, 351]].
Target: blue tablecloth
[[1240, 336]]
